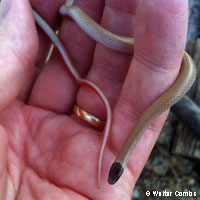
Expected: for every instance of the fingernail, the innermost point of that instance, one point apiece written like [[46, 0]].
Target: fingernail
[[4, 8]]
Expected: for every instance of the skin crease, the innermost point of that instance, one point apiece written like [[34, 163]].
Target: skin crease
[[46, 153]]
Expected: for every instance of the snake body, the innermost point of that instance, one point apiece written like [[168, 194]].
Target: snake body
[[182, 84], [58, 44]]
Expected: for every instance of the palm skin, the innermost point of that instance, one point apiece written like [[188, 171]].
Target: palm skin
[[45, 151]]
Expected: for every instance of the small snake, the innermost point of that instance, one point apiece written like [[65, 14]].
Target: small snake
[[182, 84]]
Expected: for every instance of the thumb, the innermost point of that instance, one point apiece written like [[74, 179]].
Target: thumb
[[18, 49]]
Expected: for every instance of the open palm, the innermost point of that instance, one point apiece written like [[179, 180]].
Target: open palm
[[45, 151]]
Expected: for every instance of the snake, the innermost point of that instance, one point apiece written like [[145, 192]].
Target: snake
[[176, 91]]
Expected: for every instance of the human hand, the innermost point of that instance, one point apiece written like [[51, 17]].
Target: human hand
[[45, 150]]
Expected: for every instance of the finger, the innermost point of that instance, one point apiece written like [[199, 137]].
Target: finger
[[55, 82], [3, 159], [49, 11], [18, 51], [159, 45], [26, 90], [109, 67]]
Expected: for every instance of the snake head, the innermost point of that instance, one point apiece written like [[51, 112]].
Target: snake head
[[115, 172]]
